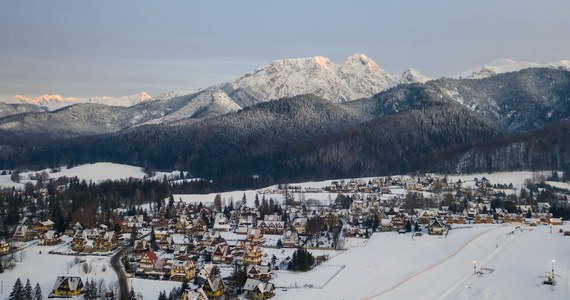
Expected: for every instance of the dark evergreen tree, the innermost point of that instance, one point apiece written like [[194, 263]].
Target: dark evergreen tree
[[38, 292], [174, 294], [162, 296], [153, 244], [28, 291], [185, 285], [302, 260], [17, 291]]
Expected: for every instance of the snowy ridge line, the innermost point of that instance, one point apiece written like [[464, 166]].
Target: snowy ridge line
[[485, 263], [420, 272]]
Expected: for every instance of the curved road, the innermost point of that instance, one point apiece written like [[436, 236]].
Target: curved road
[[116, 265]]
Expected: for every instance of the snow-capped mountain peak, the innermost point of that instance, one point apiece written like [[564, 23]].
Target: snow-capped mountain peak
[[53, 102], [363, 60], [358, 77], [45, 100]]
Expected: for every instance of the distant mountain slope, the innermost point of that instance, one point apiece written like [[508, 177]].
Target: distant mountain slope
[[518, 102], [71, 121], [500, 66], [8, 109]]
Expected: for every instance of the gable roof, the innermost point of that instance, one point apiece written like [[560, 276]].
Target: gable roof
[[68, 283]]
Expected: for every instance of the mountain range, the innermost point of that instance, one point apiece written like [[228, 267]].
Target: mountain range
[[311, 119]]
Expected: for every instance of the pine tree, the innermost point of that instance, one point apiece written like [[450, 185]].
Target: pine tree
[[28, 290], [185, 285], [256, 202], [38, 292], [17, 291], [218, 202], [153, 244], [162, 296]]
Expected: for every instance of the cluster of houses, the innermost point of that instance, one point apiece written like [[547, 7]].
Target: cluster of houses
[[176, 256], [94, 240], [43, 230]]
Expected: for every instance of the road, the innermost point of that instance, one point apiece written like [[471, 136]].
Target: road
[[116, 265]]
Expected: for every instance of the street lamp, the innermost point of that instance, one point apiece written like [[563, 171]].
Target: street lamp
[[474, 267]]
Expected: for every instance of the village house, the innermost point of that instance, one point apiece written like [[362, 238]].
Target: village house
[[136, 221], [67, 286], [148, 260], [255, 235], [259, 272], [106, 241], [183, 225], [94, 240], [4, 247], [182, 270], [385, 225], [140, 248], [200, 227], [211, 281], [300, 225], [221, 223], [252, 254], [49, 238], [43, 226], [166, 243], [196, 294], [290, 239], [23, 233], [271, 224], [436, 227], [239, 248], [215, 241], [259, 290], [222, 254]]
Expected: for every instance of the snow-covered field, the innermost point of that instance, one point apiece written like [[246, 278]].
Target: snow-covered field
[[393, 266], [90, 172], [36, 264]]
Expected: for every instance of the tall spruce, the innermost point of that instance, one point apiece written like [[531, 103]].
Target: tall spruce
[[28, 295], [17, 291], [38, 292]]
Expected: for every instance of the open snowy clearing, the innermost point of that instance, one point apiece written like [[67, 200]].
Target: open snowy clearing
[[90, 172], [36, 264], [393, 266]]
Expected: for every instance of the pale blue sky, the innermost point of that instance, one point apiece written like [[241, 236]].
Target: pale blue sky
[[80, 48]]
